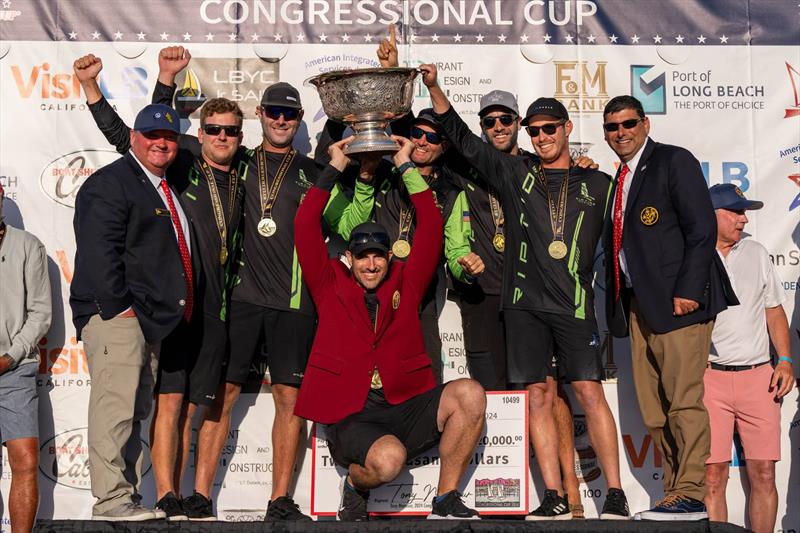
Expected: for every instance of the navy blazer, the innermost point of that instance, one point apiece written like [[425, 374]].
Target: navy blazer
[[126, 252], [669, 237]]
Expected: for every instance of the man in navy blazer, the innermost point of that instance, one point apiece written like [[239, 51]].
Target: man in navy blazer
[[664, 286], [131, 288]]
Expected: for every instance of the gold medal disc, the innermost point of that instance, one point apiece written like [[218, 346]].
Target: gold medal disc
[[267, 227], [223, 255], [499, 242], [401, 248], [557, 250]]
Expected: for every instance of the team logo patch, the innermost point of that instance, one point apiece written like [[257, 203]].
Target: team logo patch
[[739, 192], [396, 300], [649, 216]]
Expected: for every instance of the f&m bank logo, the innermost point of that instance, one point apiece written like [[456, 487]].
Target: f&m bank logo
[[649, 86], [581, 85], [54, 87]]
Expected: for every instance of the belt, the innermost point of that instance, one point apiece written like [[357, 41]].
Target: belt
[[735, 368]]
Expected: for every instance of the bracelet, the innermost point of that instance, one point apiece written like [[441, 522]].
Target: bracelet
[[405, 166], [786, 358]]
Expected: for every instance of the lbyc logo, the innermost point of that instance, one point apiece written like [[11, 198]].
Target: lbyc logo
[[581, 85], [649, 86], [242, 80], [794, 80]]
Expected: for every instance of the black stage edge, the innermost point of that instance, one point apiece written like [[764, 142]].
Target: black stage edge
[[387, 526]]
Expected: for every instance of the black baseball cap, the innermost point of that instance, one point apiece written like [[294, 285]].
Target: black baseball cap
[[729, 196], [281, 94], [426, 115], [369, 236], [155, 117], [546, 106]]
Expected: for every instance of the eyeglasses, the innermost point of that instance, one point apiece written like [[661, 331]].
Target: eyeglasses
[[216, 129], [549, 129], [505, 120], [431, 136], [357, 239], [275, 111], [627, 124]]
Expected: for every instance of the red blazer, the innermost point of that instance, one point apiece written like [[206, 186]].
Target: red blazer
[[346, 347]]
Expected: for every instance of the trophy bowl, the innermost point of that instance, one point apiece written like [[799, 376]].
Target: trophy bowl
[[366, 100]]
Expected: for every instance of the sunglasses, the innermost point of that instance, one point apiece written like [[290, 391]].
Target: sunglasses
[[505, 120], [549, 129], [357, 239], [274, 112], [216, 129], [431, 136], [627, 124]]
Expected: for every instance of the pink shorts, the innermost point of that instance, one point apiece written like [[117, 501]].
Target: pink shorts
[[742, 399]]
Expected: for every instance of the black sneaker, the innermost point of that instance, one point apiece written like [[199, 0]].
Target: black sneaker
[[554, 507], [450, 506], [354, 504], [615, 506], [172, 507], [284, 508], [198, 508]]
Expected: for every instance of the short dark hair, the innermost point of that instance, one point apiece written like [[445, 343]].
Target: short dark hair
[[621, 103], [216, 106]]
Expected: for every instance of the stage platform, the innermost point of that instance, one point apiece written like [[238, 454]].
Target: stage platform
[[387, 526]]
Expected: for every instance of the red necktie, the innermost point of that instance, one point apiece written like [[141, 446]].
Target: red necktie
[[184, 249], [618, 208]]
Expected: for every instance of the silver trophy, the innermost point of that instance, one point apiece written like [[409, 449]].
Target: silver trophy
[[366, 100]]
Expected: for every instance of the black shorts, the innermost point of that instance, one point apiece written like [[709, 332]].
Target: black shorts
[[413, 422], [191, 359], [533, 338], [287, 336]]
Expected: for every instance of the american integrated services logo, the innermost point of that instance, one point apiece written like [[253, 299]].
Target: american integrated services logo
[[649, 86]]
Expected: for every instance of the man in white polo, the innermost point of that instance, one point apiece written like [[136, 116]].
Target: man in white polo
[[742, 389]]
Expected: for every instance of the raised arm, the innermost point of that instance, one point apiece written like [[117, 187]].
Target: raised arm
[[486, 159], [113, 128]]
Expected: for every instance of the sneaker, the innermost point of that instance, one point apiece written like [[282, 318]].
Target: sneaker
[[126, 512], [449, 506], [354, 504], [554, 507], [284, 508], [171, 507], [675, 507], [198, 508], [615, 506]]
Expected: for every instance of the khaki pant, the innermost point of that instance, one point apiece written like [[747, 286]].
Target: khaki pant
[[668, 373], [123, 371]]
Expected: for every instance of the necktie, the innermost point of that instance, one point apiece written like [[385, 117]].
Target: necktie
[[184, 250], [618, 208]]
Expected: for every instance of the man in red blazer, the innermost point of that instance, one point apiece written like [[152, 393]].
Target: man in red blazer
[[368, 376]]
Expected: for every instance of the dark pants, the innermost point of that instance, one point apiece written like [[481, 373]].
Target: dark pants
[[484, 340]]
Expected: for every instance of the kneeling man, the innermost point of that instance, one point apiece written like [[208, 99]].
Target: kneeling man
[[368, 376]]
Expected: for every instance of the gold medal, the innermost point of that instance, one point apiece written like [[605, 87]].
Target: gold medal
[[499, 242], [267, 227], [557, 250], [401, 248], [223, 255]]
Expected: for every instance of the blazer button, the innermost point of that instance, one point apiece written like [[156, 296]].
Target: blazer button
[[181, 302]]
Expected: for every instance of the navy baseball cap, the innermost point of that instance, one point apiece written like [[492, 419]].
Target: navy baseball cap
[[729, 196], [498, 98], [157, 117], [369, 236], [281, 94], [546, 106]]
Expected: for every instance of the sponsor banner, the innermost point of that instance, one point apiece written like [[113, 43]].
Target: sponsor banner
[[496, 478]]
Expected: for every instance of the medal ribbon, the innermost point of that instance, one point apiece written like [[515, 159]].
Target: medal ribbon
[[497, 212], [268, 194], [558, 211], [216, 201]]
